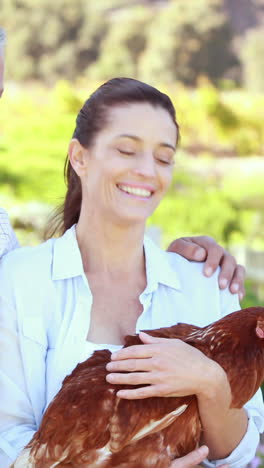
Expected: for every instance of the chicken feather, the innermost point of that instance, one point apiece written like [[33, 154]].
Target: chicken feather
[[87, 425]]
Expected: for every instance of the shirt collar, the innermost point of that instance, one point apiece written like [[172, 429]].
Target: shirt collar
[[158, 267], [67, 262]]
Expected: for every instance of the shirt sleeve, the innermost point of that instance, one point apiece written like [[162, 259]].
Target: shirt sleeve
[[17, 420], [246, 449], [8, 240]]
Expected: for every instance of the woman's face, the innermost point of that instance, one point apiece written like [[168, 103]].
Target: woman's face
[[129, 167]]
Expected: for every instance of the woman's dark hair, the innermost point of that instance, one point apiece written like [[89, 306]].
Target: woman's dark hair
[[91, 119]]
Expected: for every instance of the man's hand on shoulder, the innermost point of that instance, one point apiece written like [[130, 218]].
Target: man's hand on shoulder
[[205, 249]]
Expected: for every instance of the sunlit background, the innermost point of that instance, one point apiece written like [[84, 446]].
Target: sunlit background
[[208, 55]]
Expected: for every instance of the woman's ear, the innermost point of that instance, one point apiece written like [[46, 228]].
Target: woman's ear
[[77, 156]]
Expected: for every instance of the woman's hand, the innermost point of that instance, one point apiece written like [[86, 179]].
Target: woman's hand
[[192, 459], [168, 368], [205, 249], [161, 365]]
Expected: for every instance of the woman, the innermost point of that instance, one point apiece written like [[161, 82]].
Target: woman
[[102, 280]]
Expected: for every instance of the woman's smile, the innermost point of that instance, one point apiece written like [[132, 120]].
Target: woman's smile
[[135, 191]]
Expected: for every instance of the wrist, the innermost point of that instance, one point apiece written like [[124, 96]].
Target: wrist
[[215, 383]]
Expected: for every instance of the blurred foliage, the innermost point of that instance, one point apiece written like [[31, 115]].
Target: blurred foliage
[[252, 56], [159, 41], [251, 297], [195, 39], [121, 47], [55, 39], [233, 120]]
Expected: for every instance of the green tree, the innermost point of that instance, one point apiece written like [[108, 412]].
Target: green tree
[[185, 40], [123, 44], [252, 57], [52, 39]]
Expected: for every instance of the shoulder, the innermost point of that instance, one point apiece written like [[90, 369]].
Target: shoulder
[[191, 273], [26, 286], [170, 268], [202, 291], [197, 297], [28, 257], [191, 277], [26, 265], [170, 261], [183, 266]]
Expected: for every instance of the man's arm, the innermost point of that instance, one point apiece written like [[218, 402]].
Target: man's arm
[[8, 240], [2, 43]]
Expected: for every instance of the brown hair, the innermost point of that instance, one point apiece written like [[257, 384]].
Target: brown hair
[[90, 121]]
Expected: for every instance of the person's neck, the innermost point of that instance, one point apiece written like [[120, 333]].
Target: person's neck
[[110, 249]]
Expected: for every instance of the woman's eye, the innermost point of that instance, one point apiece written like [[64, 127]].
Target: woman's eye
[[165, 161], [129, 153]]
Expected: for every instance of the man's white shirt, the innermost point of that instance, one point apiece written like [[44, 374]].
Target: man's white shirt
[[8, 240]]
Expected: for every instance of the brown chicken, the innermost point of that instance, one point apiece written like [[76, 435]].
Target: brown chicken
[[86, 425]]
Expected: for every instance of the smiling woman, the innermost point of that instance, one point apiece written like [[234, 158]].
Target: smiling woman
[[104, 279], [126, 175], [107, 111]]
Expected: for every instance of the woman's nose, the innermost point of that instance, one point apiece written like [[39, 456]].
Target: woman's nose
[[145, 166]]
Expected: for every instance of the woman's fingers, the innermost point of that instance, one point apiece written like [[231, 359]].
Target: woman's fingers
[[140, 393], [130, 365], [134, 378], [192, 459], [135, 352]]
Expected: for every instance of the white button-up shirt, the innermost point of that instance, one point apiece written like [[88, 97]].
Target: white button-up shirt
[[8, 240], [45, 307]]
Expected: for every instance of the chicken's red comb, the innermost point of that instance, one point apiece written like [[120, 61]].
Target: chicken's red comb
[[260, 328]]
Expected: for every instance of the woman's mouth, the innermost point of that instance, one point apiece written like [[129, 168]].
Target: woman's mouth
[[136, 191]]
